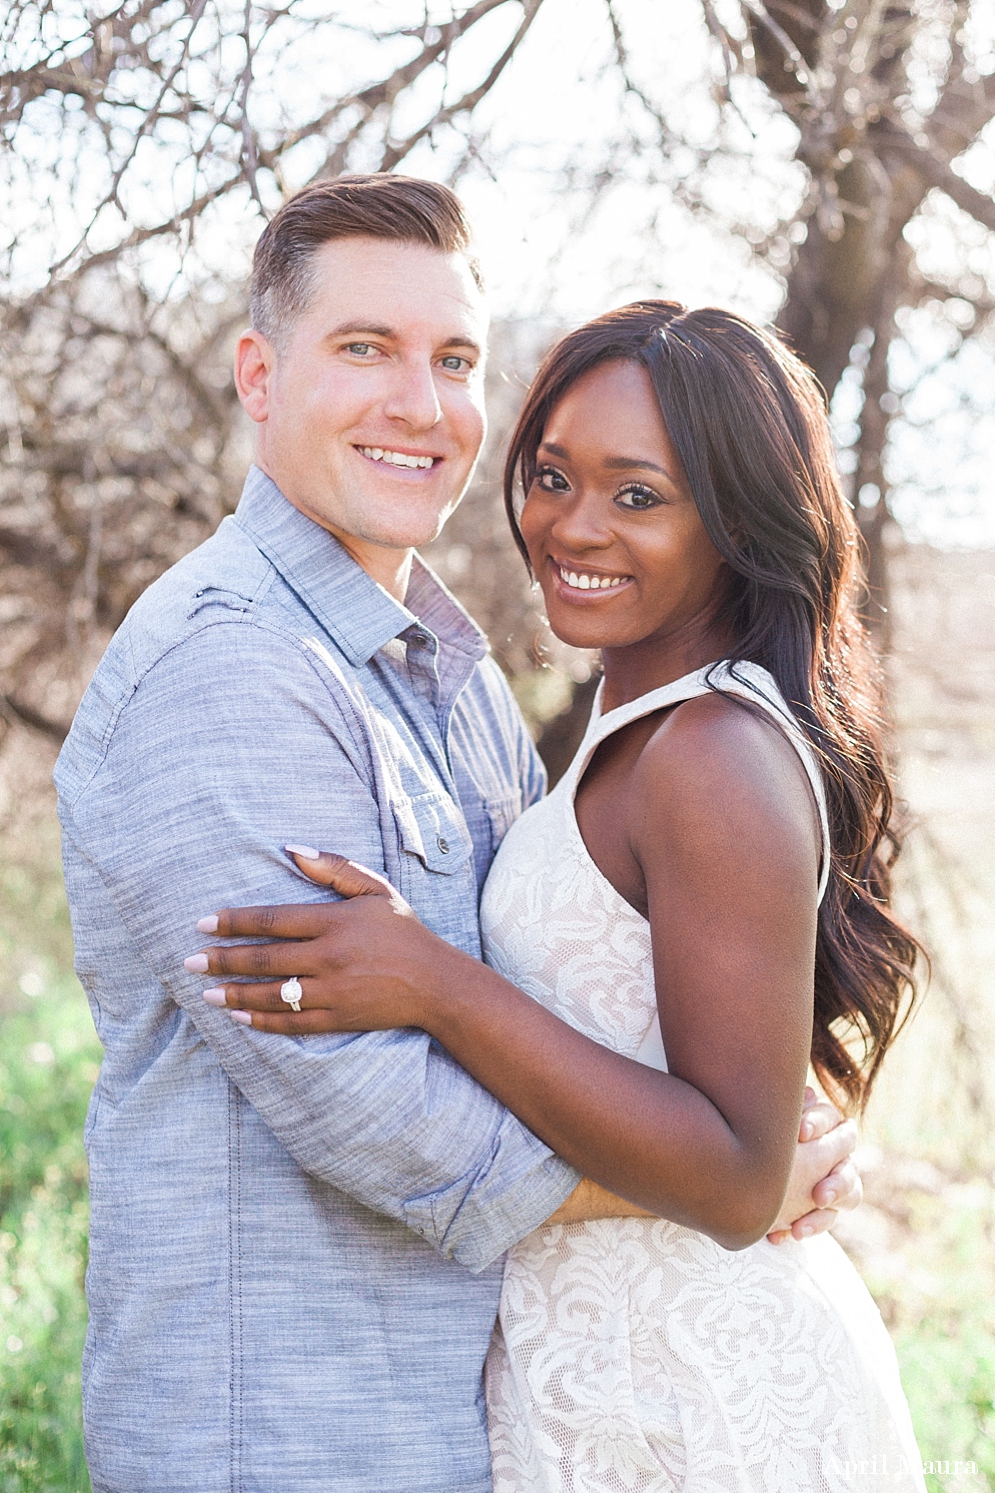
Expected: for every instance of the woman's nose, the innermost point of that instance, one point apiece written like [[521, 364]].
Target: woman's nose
[[413, 397], [580, 524]]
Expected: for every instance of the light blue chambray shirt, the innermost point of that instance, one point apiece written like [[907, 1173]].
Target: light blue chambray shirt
[[295, 1243]]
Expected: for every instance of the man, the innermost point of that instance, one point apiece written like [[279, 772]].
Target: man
[[296, 1245]]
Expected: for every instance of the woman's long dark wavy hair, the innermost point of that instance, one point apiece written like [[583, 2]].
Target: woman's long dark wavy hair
[[748, 421]]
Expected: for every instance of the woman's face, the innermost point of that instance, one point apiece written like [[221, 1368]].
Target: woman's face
[[612, 530]]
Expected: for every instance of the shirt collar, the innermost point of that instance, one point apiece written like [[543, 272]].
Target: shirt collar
[[357, 612]]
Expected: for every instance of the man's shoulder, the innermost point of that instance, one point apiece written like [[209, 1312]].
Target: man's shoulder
[[220, 618], [491, 712], [225, 580], [227, 571]]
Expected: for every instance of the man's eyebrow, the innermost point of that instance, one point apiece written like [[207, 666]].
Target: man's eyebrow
[[467, 342], [613, 463], [366, 328], [374, 329]]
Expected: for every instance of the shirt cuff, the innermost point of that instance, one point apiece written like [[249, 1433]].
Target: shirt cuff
[[484, 1225]]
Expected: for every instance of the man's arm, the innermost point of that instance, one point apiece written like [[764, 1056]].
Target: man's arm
[[222, 755]]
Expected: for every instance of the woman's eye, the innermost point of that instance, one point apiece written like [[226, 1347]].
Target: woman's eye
[[639, 498], [550, 480]]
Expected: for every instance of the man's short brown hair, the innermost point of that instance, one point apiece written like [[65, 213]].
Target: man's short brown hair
[[380, 205]]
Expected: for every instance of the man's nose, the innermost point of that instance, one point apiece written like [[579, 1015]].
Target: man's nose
[[413, 397]]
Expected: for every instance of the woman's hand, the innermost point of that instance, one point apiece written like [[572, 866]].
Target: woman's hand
[[824, 1178], [364, 964]]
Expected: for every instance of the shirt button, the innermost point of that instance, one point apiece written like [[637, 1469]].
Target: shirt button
[[443, 845]]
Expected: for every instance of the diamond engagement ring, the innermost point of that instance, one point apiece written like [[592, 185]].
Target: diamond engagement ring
[[291, 992]]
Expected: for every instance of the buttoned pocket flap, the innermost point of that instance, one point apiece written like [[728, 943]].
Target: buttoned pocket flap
[[431, 827]]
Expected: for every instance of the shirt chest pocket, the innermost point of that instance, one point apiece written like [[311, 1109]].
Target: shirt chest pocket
[[502, 813], [430, 827]]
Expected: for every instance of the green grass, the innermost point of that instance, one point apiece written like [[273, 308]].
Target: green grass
[[949, 1377], [48, 1062], [941, 1310]]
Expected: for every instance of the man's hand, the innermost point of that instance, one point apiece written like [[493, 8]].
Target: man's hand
[[824, 1179], [588, 1202]]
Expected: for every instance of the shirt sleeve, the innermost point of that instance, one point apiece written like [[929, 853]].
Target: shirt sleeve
[[228, 749]]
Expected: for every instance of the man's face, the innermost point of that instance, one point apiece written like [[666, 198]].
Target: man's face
[[370, 416]]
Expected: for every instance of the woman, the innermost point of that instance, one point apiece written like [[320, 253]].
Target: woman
[[696, 912]]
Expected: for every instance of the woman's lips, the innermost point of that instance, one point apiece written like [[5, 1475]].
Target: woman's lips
[[574, 583]]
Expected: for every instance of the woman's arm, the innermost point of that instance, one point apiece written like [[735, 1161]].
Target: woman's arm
[[824, 1180], [726, 841]]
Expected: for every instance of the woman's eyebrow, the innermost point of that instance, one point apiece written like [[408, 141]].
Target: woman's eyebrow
[[613, 463], [625, 463]]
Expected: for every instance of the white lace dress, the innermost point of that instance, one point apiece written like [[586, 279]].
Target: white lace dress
[[634, 1356]]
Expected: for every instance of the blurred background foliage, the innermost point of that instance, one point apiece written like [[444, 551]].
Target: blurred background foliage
[[824, 163]]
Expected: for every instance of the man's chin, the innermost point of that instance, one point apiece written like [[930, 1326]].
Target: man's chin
[[411, 537], [413, 534], [410, 533]]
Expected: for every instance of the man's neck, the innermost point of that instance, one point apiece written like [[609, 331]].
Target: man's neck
[[388, 566]]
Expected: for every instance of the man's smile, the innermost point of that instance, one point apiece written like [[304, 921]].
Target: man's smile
[[404, 459]]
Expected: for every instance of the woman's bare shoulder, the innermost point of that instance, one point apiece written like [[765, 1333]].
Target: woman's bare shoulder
[[716, 757]]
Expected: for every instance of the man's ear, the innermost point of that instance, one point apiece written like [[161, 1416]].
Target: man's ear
[[254, 363]]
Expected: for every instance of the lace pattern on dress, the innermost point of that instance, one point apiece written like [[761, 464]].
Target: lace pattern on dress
[[635, 1356]]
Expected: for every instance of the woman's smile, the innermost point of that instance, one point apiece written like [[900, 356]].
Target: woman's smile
[[578, 584]]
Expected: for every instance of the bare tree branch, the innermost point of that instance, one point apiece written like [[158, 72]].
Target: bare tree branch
[[394, 154], [115, 398], [937, 172], [12, 710]]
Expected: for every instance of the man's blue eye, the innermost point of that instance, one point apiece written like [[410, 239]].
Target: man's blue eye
[[360, 347], [455, 364]]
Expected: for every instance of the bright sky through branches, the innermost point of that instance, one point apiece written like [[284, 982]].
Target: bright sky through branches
[[577, 206]]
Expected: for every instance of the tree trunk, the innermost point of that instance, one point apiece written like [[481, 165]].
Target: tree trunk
[[873, 516], [853, 267]]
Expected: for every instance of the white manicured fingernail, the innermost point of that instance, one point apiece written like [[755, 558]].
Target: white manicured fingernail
[[215, 997], [196, 964], [208, 925], [241, 1018], [306, 852]]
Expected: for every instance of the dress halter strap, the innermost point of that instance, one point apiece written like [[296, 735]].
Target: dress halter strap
[[750, 682]]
